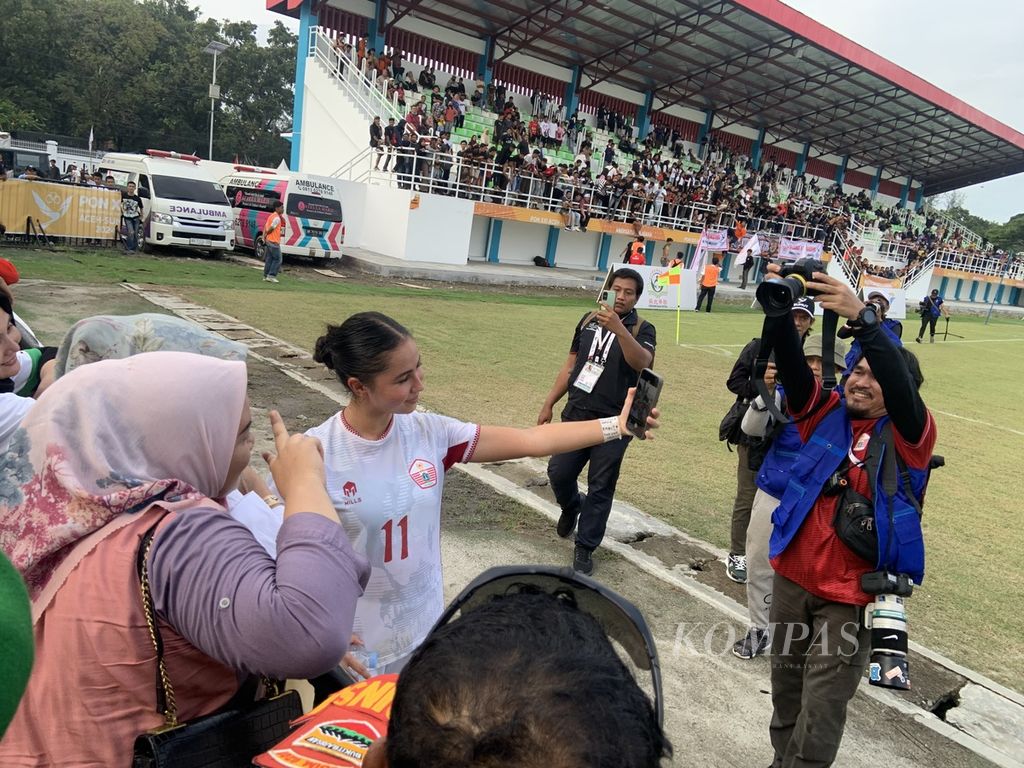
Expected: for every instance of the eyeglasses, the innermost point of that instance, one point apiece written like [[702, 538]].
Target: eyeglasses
[[619, 618]]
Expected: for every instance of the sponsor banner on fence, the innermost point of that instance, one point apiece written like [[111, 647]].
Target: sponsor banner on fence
[[682, 294], [791, 250], [711, 240], [62, 210]]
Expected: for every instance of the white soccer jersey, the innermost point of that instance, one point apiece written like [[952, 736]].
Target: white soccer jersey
[[388, 496]]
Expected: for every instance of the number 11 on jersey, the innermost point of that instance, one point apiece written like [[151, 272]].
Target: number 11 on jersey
[[388, 528]]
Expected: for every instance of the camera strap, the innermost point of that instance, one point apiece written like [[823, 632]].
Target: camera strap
[[828, 350], [764, 353]]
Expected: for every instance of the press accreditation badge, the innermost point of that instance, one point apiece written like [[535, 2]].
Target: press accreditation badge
[[588, 377]]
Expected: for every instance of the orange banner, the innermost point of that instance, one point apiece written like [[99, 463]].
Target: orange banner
[[62, 210], [874, 281], [552, 219]]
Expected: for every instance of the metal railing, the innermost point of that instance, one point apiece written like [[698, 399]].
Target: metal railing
[[360, 85], [433, 171], [978, 263]]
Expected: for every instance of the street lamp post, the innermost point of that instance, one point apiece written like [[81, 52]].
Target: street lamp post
[[213, 49]]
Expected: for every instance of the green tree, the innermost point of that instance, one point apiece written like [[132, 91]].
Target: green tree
[[135, 73], [14, 118]]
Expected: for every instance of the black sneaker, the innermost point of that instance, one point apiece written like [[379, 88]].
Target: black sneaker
[[582, 561], [567, 520], [754, 643]]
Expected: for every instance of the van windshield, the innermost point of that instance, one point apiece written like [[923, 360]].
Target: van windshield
[[319, 208], [193, 190]]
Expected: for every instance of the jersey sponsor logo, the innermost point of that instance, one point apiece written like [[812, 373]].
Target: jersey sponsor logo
[[423, 473], [351, 494]]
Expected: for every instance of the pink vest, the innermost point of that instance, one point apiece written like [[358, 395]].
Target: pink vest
[[92, 689]]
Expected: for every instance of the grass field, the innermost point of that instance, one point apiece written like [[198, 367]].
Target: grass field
[[491, 356]]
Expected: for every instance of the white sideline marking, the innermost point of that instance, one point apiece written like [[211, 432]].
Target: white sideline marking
[[977, 421], [977, 341]]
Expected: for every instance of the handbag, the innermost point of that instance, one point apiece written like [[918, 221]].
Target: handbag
[[729, 430], [228, 738]]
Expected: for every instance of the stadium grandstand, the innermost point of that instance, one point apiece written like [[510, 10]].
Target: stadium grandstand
[[515, 131]]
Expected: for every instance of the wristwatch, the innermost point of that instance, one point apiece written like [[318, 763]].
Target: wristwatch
[[868, 318]]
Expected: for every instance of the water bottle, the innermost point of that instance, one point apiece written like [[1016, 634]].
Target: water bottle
[[368, 659]]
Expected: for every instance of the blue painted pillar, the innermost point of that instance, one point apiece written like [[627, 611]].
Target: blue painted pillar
[[375, 29], [649, 247], [905, 194], [643, 120], [727, 259], [1015, 296], [552, 247], [959, 286], [755, 150], [919, 203], [705, 129], [572, 91], [485, 64], [988, 290], [944, 286], [841, 170], [875, 182], [974, 289], [493, 240], [307, 23], [999, 293], [603, 251], [801, 162]]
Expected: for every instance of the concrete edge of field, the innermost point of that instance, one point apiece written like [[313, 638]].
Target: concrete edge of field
[[988, 713]]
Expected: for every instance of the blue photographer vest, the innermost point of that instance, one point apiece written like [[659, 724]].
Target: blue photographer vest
[[778, 462], [820, 458]]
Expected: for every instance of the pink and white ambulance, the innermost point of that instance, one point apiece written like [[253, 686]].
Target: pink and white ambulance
[[314, 224]]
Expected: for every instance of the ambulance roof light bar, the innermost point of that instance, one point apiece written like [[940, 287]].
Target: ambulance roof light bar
[[172, 155]]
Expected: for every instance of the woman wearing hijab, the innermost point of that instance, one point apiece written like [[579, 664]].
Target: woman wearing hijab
[[152, 444]]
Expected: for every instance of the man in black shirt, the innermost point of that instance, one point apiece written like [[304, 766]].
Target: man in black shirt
[[131, 215], [391, 141], [377, 141], [609, 349]]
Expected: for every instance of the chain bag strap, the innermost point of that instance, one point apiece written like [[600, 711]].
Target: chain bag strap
[[228, 738]]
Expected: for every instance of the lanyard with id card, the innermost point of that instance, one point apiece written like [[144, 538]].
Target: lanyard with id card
[[588, 377]]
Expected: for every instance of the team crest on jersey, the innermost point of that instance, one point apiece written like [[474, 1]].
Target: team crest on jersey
[[423, 473], [350, 494]]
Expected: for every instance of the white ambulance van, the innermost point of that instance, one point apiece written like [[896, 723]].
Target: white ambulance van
[[314, 225], [183, 203]]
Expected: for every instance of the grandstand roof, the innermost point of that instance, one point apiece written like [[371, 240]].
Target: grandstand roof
[[756, 63]]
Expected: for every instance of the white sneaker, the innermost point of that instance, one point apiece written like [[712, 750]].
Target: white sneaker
[[736, 568], [273, 280], [266, 279]]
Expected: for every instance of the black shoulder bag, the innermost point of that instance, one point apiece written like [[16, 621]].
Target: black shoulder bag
[[228, 738], [854, 520]]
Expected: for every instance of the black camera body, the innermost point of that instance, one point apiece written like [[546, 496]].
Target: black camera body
[[885, 583], [777, 294]]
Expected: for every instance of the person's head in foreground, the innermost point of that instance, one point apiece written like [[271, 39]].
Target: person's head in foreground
[[525, 680]]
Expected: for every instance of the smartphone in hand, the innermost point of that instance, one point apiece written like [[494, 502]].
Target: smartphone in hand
[[648, 390], [607, 298]]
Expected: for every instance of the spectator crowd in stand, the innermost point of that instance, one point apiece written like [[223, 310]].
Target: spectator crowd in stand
[[656, 180]]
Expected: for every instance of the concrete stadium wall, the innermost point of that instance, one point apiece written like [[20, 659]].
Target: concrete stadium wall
[[334, 130], [439, 228]]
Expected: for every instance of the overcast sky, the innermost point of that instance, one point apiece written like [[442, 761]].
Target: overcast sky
[[971, 49]]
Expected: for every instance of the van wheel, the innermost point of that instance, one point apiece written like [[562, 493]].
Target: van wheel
[[260, 249]]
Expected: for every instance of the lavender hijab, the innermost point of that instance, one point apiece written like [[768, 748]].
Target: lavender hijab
[[109, 440]]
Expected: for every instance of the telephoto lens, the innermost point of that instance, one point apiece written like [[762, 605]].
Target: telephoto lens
[[887, 619]]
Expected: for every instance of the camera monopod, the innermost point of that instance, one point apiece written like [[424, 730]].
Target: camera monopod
[[830, 322]]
